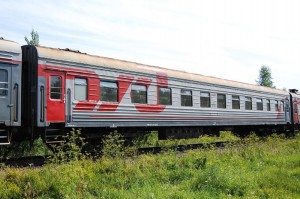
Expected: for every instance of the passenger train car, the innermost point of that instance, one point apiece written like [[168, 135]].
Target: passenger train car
[[10, 89], [45, 91]]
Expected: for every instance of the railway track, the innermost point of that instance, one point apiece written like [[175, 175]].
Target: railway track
[[38, 161]]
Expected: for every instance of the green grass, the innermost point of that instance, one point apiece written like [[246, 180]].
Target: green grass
[[151, 139], [23, 149], [254, 169]]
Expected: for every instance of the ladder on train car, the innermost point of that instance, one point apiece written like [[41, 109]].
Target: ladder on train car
[[54, 136], [4, 137]]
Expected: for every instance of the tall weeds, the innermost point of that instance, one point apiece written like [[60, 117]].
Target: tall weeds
[[250, 169], [71, 150]]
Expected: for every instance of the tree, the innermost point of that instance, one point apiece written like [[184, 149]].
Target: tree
[[34, 38], [265, 77]]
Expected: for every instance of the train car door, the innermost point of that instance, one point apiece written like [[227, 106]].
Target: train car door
[[55, 111], [287, 110], [5, 93], [296, 116]]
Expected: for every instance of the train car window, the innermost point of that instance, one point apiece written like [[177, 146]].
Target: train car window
[[248, 103], [164, 96], [268, 105], [236, 102], [204, 99], [138, 94], [80, 89], [109, 91], [259, 104], [3, 82], [55, 89], [276, 105], [221, 101], [186, 98]]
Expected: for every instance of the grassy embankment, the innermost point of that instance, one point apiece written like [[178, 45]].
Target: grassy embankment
[[257, 169]]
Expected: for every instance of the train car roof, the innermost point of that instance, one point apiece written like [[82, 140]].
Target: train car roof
[[86, 59], [9, 46], [296, 95]]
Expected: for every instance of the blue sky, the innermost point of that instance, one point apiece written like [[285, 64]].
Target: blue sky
[[229, 39]]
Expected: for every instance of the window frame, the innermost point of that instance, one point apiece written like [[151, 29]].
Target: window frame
[[236, 102], [259, 104], [268, 105], [132, 93], [205, 97], [80, 84], [223, 102], [249, 100], [5, 83], [116, 88], [158, 96], [51, 87], [276, 105], [189, 97]]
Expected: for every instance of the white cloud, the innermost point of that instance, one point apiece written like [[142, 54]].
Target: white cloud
[[225, 38]]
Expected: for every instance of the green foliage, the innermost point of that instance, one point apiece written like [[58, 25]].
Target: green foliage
[[265, 77], [35, 41], [253, 169], [71, 150], [151, 139], [147, 139], [113, 146], [23, 149]]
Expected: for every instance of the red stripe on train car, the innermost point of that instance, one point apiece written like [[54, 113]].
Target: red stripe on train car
[[144, 81], [149, 108], [70, 72], [85, 106], [124, 82], [162, 79], [10, 60], [108, 107]]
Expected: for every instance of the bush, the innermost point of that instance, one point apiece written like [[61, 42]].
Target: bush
[[113, 146], [71, 150]]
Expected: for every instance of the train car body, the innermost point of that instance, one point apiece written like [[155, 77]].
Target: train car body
[[66, 89], [295, 109], [10, 89]]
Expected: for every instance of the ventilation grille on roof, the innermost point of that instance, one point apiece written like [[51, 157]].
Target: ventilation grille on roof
[[71, 50]]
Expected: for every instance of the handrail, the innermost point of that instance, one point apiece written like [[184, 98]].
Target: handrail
[[15, 102], [42, 104]]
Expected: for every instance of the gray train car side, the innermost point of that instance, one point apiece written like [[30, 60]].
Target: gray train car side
[[71, 89], [10, 90]]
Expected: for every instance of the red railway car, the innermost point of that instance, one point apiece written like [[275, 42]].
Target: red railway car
[[63, 89]]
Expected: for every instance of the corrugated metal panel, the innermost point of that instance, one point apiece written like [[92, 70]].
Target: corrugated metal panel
[[85, 59]]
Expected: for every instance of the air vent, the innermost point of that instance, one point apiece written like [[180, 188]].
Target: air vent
[[71, 50]]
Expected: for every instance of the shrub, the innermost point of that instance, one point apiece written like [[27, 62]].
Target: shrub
[[113, 145], [71, 150]]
